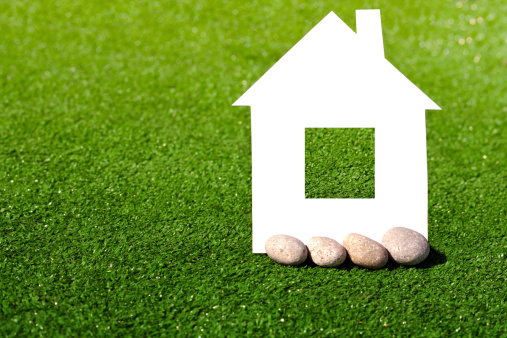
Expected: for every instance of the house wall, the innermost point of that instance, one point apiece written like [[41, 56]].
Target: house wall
[[278, 182]]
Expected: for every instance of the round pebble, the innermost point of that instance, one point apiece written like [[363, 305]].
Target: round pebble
[[406, 246], [326, 252], [365, 252], [286, 250]]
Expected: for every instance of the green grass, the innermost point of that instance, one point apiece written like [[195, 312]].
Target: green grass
[[340, 163], [125, 174]]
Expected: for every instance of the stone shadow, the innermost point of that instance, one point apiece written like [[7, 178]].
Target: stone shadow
[[346, 265], [434, 258]]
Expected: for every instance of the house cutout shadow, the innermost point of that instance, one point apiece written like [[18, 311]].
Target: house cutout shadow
[[335, 78]]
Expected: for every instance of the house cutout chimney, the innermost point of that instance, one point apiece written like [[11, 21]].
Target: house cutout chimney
[[369, 31]]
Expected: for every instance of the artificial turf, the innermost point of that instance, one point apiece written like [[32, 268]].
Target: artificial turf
[[340, 163], [125, 191]]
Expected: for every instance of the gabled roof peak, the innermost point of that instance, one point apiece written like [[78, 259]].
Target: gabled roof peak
[[332, 61]]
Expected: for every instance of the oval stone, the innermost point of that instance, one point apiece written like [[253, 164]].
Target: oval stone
[[326, 252], [406, 246], [365, 252], [286, 250]]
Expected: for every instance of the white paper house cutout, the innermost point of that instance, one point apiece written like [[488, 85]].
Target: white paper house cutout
[[335, 78]]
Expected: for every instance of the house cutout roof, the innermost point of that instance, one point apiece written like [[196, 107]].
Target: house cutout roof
[[334, 66]]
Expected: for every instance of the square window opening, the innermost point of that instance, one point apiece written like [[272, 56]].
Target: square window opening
[[339, 162]]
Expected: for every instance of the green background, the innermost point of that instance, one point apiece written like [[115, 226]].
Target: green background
[[125, 190]]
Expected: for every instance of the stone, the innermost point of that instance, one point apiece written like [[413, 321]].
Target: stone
[[406, 246], [286, 250], [365, 252], [326, 252]]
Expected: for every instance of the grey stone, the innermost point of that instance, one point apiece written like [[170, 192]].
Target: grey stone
[[326, 252], [406, 246], [286, 250], [365, 252]]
